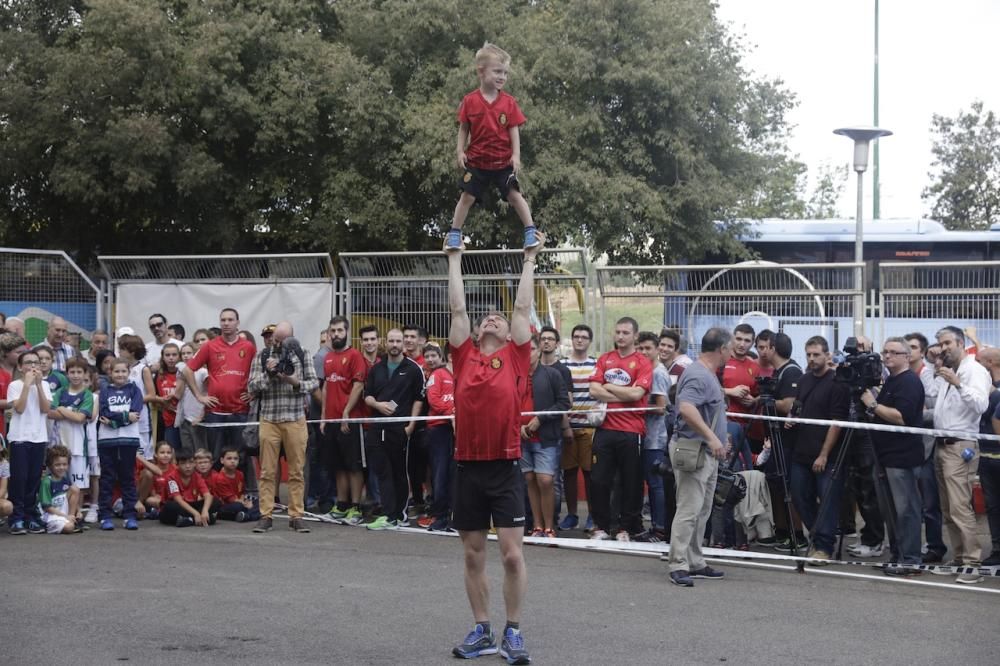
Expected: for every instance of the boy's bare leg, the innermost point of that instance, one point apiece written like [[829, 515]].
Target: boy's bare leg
[[465, 204], [73, 495], [520, 206]]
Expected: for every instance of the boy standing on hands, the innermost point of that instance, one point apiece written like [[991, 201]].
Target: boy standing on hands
[[489, 145]]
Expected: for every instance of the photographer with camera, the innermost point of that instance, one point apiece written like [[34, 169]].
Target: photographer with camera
[[812, 479], [900, 402], [282, 378]]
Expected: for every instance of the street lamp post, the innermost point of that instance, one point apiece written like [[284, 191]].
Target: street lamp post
[[862, 137]]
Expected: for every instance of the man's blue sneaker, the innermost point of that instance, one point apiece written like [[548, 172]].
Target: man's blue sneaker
[[453, 241], [681, 578], [35, 527], [709, 573], [512, 647], [589, 525], [476, 644], [570, 522], [107, 524], [131, 524], [530, 237], [17, 528]]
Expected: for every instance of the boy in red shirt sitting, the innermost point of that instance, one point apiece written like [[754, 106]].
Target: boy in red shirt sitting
[[188, 499], [489, 146], [228, 487]]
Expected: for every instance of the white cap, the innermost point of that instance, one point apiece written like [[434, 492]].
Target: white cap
[[124, 330]]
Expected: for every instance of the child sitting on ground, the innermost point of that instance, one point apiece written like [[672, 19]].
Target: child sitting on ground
[[188, 499], [58, 498], [204, 464], [228, 487], [489, 146], [153, 478]]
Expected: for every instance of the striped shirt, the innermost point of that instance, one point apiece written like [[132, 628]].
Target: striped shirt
[[581, 372]]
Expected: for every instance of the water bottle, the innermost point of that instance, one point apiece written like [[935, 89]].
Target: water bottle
[[968, 454]]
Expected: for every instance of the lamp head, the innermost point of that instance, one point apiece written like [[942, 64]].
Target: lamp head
[[862, 137]]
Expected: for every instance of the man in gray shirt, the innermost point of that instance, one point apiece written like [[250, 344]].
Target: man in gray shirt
[[701, 407]]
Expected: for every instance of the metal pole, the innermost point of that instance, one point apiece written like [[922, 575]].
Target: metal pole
[[876, 188], [859, 258]]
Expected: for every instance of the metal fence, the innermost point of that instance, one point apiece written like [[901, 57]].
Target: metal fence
[[393, 289], [925, 296], [799, 299], [38, 285]]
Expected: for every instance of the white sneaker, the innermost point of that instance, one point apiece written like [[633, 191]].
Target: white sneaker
[[622, 536], [862, 550], [599, 535], [91, 516]]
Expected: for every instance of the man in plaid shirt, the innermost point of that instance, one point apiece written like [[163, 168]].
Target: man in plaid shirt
[[282, 382]]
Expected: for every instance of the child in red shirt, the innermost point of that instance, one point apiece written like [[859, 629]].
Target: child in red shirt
[[188, 499], [203, 464], [152, 481], [489, 146], [227, 485]]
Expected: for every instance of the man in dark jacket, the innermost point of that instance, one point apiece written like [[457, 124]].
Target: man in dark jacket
[[541, 435]]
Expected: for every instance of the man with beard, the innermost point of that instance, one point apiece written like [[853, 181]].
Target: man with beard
[[344, 373]]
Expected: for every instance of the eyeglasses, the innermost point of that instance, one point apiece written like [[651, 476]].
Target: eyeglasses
[[888, 352]]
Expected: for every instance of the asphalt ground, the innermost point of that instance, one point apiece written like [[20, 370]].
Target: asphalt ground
[[344, 595]]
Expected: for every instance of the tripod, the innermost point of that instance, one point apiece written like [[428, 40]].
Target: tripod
[[778, 451], [838, 465]]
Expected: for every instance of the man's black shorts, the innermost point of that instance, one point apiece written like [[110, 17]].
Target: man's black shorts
[[477, 181], [342, 451], [488, 489]]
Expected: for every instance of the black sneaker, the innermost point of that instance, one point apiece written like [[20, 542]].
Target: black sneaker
[[477, 643], [263, 525], [681, 578], [512, 647], [184, 521], [900, 571], [708, 573], [298, 525], [35, 527], [17, 528], [994, 559], [241, 516], [646, 537], [933, 557]]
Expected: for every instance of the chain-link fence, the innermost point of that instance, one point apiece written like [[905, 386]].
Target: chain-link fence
[[800, 299], [394, 289], [925, 296], [38, 285]]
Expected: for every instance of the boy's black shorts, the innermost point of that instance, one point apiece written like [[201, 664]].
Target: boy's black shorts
[[488, 489], [477, 181], [342, 452]]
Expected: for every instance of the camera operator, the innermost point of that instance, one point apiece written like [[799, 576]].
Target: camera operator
[[282, 379], [900, 402], [820, 397], [963, 388]]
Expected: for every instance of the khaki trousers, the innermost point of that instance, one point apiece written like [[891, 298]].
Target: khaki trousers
[[293, 436], [695, 495], [954, 477]]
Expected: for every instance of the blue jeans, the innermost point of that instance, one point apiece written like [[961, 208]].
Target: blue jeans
[[172, 436], [741, 446], [26, 462], [989, 477], [118, 466], [905, 491], [933, 521], [808, 488], [651, 459], [440, 448]]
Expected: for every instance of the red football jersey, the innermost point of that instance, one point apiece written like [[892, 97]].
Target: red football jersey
[[489, 128], [160, 482], [5, 380], [227, 489], [165, 383], [195, 489], [341, 369], [440, 390], [740, 373], [228, 372], [488, 394], [632, 370]]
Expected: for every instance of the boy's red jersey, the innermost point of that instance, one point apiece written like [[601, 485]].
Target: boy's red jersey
[[227, 489], [489, 129], [194, 491]]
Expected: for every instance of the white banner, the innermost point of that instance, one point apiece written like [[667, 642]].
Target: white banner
[[307, 306]]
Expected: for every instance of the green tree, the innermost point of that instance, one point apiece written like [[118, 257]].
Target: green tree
[[965, 184], [826, 193]]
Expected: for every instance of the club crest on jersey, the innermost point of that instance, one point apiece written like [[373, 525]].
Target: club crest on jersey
[[220, 357], [496, 364], [503, 119], [631, 365], [243, 353], [618, 377]]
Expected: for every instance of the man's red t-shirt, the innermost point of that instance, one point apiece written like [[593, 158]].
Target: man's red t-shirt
[[740, 372], [228, 372], [227, 489], [5, 380], [165, 383], [341, 369], [488, 394], [489, 129], [632, 370], [194, 491]]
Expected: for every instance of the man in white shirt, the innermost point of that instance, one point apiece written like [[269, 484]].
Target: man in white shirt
[[963, 389], [158, 327]]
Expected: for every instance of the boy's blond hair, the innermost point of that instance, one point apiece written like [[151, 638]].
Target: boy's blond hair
[[202, 453], [491, 52]]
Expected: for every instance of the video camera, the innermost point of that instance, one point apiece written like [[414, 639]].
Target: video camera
[[284, 352], [767, 386], [860, 370]]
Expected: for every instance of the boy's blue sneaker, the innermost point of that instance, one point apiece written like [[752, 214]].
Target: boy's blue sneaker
[[530, 237], [476, 644], [107, 524], [35, 527], [589, 525], [570, 522], [512, 647], [131, 524], [453, 241], [17, 528]]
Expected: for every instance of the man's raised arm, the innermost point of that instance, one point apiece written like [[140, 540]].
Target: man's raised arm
[[520, 321], [460, 327]]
